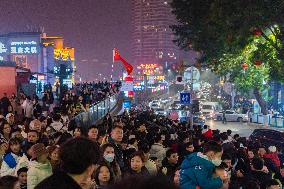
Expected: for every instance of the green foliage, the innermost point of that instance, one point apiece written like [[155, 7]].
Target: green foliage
[[230, 33]]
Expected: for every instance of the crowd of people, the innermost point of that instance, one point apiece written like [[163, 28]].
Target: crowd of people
[[45, 148]]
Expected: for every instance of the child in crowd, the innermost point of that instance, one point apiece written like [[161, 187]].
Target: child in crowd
[[53, 156], [197, 168], [11, 158], [22, 176], [39, 168]]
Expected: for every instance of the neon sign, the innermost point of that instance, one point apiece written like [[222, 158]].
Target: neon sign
[[3, 49], [62, 54], [148, 66], [24, 47]]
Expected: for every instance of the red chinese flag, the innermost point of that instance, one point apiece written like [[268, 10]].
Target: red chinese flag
[[116, 55], [127, 66]]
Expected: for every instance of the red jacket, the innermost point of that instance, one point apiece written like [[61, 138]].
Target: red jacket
[[274, 157], [208, 134]]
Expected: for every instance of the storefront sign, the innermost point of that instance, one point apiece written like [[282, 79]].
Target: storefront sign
[[23, 47]]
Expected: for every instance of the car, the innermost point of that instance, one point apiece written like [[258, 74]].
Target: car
[[268, 137], [154, 102], [160, 111], [154, 106], [198, 119], [231, 115]]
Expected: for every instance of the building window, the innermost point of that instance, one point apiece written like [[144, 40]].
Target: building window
[[21, 60]]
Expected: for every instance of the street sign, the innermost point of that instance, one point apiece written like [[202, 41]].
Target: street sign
[[127, 104], [185, 98]]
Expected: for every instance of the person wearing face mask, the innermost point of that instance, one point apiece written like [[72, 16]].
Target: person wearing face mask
[[197, 169], [108, 158]]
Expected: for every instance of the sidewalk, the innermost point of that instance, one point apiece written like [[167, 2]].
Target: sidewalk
[[261, 126]]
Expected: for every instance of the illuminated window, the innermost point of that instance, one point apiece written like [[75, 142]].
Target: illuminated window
[[21, 60]]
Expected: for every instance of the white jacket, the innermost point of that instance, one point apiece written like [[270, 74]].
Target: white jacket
[[159, 151], [23, 162], [37, 172], [6, 170]]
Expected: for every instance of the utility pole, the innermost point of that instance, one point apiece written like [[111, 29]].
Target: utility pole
[[191, 93]]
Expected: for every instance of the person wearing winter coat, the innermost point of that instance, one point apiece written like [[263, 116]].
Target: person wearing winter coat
[[150, 165], [272, 154], [158, 150], [78, 158], [28, 107], [170, 164], [56, 125], [197, 168], [11, 158], [258, 174], [108, 158], [40, 168], [137, 168]]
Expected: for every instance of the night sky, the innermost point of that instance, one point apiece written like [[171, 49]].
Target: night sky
[[93, 27]]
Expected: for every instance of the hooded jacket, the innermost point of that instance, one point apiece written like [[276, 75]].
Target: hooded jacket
[[196, 170], [38, 172], [9, 164]]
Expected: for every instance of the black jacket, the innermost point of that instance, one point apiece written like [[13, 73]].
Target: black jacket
[[261, 177], [58, 180], [171, 169]]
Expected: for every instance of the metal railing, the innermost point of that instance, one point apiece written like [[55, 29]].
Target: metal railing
[[96, 112], [273, 120]]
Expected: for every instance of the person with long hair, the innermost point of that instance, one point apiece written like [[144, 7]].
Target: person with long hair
[[5, 132], [103, 176], [108, 158]]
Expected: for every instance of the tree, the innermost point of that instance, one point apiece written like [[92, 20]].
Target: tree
[[230, 33]]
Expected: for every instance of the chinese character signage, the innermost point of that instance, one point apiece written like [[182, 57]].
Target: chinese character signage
[[3, 48], [149, 69], [24, 47], [62, 54]]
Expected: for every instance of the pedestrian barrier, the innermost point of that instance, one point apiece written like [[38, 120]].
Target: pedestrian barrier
[[96, 112], [273, 120]]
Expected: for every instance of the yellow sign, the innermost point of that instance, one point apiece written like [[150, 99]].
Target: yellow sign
[[63, 54]]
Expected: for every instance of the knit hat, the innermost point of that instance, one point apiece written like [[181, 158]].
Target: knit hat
[[272, 149], [38, 150]]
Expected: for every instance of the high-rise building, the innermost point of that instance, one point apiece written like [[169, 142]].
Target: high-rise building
[[152, 38]]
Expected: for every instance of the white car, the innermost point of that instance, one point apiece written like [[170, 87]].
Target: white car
[[231, 115], [155, 106], [160, 111], [154, 102]]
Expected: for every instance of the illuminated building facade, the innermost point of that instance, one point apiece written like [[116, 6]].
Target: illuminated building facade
[[40, 54], [152, 38], [23, 48], [55, 53]]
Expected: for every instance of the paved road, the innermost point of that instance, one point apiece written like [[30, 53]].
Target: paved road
[[243, 129]]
